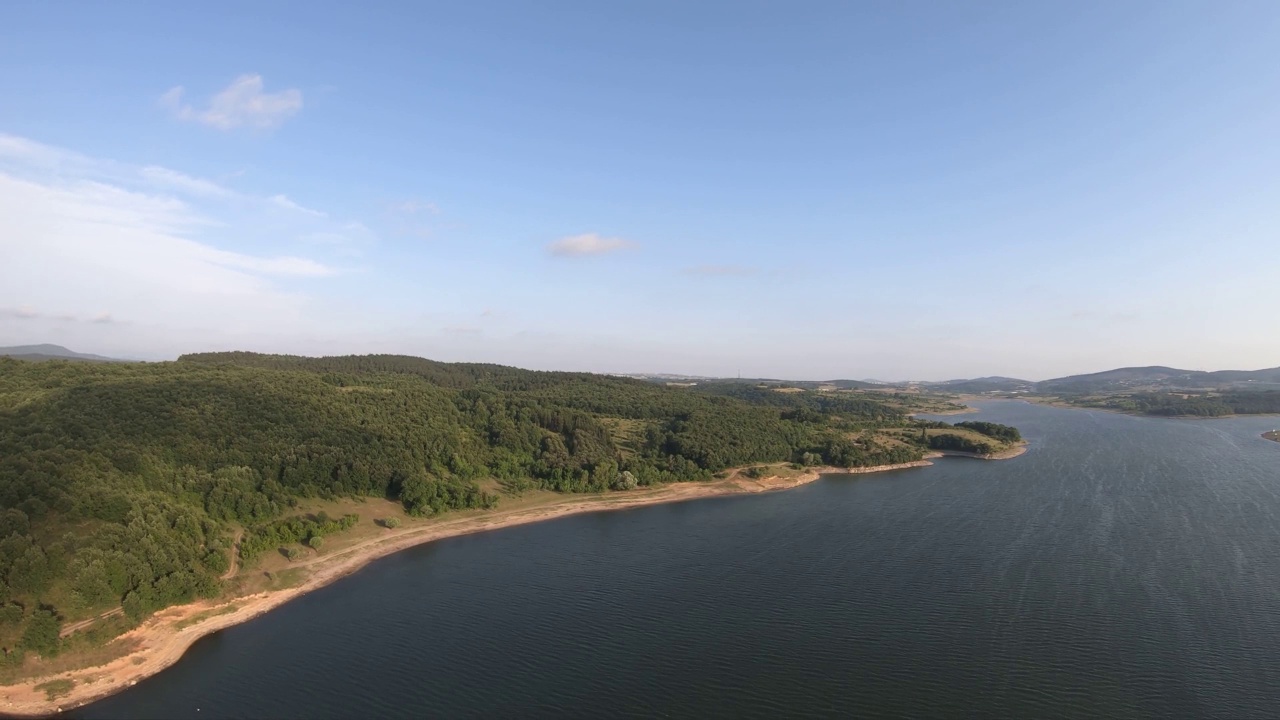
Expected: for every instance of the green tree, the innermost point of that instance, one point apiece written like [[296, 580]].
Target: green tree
[[41, 633]]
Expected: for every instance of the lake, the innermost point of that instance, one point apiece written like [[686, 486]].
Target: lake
[[1123, 567]]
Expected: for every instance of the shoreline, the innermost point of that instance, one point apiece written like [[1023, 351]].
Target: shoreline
[[164, 638], [1058, 403]]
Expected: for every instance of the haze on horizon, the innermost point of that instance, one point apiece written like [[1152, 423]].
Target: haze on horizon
[[836, 190]]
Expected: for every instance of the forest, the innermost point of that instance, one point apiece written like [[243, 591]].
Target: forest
[[1171, 404], [122, 484], [1003, 433]]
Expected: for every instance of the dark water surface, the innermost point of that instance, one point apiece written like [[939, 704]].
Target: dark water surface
[[1124, 567]]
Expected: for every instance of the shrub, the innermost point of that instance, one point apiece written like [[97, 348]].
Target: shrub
[[625, 481], [41, 634], [55, 689]]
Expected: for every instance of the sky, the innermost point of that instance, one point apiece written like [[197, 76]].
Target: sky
[[896, 190]]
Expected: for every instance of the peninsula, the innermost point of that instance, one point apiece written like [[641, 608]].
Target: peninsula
[[148, 505]]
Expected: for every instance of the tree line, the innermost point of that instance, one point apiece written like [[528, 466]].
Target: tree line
[[1170, 404], [120, 483]]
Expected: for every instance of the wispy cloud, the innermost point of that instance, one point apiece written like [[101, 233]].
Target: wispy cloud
[[26, 312], [295, 266], [349, 239], [242, 103], [29, 151], [588, 244], [164, 177], [413, 207], [413, 218], [186, 260], [721, 270], [283, 201]]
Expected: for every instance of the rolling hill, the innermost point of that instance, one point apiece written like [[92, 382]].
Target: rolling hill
[[982, 385], [1158, 377], [50, 352]]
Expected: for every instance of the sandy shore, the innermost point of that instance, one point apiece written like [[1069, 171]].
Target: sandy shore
[[1012, 452], [164, 638]]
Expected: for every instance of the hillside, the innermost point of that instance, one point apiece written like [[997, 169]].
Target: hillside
[[49, 352], [1160, 378], [123, 485], [991, 384]]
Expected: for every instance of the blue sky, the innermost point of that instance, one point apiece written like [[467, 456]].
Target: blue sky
[[805, 190]]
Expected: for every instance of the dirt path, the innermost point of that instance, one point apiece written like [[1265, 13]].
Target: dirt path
[[230, 573], [77, 626], [235, 556]]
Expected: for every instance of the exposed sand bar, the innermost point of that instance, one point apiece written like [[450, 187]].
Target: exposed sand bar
[[162, 639]]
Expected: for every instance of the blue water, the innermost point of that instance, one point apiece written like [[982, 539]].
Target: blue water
[[1123, 567]]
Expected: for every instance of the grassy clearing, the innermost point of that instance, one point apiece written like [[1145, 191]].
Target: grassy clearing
[[627, 434], [292, 577], [55, 689], [779, 470], [201, 617], [90, 657], [968, 435], [370, 511]]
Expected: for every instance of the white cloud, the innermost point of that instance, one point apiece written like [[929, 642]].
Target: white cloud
[[242, 103], [588, 244], [14, 147], [190, 269], [25, 312], [173, 179], [299, 267], [283, 201]]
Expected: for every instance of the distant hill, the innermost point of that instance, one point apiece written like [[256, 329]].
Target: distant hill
[[700, 379], [50, 352], [1159, 377], [994, 383], [806, 384]]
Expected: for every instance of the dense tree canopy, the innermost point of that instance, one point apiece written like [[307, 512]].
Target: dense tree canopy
[[1206, 404], [1003, 433], [120, 484]]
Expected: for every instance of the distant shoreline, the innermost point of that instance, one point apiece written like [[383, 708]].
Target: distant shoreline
[[164, 638], [1058, 403]]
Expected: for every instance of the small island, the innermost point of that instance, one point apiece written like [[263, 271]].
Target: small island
[[1273, 435]]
